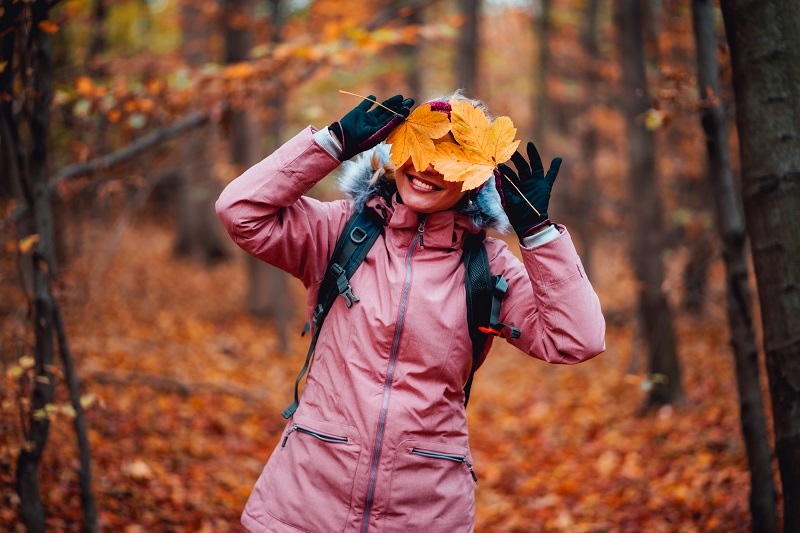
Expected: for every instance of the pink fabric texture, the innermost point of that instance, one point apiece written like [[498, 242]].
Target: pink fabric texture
[[379, 442]]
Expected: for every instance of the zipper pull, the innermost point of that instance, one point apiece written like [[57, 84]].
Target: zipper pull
[[471, 471], [423, 218], [285, 438]]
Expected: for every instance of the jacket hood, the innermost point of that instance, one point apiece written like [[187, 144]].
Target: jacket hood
[[356, 182]]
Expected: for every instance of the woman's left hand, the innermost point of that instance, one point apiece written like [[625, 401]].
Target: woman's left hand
[[533, 184]]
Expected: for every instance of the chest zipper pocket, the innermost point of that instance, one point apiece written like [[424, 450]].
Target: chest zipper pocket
[[447, 457], [316, 434]]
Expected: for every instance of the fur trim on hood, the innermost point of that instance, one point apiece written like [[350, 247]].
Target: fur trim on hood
[[356, 182]]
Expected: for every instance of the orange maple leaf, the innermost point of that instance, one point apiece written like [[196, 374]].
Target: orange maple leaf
[[458, 164], [414, 137]]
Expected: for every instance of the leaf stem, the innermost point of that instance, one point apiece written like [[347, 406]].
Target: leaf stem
[[523, 196], [365, 98]]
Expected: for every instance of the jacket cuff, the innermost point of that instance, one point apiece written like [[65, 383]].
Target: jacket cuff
[[329, 142], [538, 239]]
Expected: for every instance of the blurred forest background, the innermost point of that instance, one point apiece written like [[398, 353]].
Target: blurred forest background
[[145, 360]]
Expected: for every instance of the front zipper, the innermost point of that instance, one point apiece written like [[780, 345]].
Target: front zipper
[[449, 457], [423, 218], [316, 434]]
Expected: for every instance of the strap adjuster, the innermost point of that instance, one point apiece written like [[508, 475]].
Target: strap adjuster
[[343, 286]]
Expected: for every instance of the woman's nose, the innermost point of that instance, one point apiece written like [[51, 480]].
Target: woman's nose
[[432, 171]]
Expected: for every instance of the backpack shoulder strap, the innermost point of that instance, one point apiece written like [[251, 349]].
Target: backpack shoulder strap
[[359, 234], [485, 295]]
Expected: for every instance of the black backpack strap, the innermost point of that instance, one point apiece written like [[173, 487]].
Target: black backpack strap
[[477, 282], [485, 295], [359, 234]]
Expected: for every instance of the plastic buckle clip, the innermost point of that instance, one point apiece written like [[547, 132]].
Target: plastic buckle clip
[[345, 290]]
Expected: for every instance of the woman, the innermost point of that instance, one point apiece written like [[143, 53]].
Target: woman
[[379, 441]]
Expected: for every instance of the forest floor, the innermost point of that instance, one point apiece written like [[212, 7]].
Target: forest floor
[[188, 391]]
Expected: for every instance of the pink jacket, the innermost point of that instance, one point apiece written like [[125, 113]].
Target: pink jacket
[[379, 442]]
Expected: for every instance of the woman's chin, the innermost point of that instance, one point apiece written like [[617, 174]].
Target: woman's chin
[[419, 203]]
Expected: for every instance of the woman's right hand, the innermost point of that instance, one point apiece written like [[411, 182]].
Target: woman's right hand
[[361, 129]]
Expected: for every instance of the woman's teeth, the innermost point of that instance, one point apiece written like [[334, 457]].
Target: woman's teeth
[[422, 185]]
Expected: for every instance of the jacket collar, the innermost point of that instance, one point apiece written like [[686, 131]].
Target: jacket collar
[[442, 230]]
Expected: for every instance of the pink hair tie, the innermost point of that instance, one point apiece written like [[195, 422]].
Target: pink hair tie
[[442, 107]]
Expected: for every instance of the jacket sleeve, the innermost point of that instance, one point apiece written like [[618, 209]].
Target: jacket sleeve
[[551, 301], [267, 216]]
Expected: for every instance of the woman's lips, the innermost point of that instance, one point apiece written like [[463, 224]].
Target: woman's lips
[[422, 185]]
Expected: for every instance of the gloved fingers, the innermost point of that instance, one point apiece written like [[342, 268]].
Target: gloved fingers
[[405, 107], [498, 184], [505, 170], [552, 172], [523, 168], [366, 104], [394, 102], [534, 157]]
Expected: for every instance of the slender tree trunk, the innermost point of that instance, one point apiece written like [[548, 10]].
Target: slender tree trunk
[[646, 212], [411, 54], [81, 429], [764, 39], [10, 179], [97, 42], [268, 293], [542, 31], [730, 223], [198, 229], [587, 196], [467, 51], [27, 475]]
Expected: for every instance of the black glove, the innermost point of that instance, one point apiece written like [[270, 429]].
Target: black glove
[[533, 184], [362, 129]]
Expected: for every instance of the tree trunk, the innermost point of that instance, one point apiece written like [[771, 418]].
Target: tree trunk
[[731, 227], [542, 30], [646, 244], [587, 195], [97, 42], [764, 39], [267, 285], [467, 51], [27, 475], [79, 422], [411, 53], [199, 234]]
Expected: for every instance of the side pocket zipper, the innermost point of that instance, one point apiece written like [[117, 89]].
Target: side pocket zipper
[[448, 457], [316, 434]]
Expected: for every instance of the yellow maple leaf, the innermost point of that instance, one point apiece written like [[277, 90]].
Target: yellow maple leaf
[[458, 164], [414, 137], [470, 126], [481, 146], [472, 131], [501, 143]]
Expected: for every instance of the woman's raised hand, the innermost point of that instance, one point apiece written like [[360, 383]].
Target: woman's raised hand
[[532, 185], [362, 128]]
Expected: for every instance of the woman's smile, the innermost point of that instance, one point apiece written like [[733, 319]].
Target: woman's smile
[[427, 191], [422, 184]]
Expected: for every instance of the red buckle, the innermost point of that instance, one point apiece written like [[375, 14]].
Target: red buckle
[[489, 331]]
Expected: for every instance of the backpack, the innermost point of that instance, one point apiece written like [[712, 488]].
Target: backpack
[[484, 291]]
